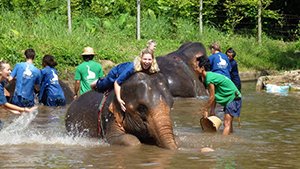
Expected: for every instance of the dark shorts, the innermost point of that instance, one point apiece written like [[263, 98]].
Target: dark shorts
[[234, 108], [55, 102], [22, 102]]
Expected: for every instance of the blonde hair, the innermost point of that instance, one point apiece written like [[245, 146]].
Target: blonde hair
[[137, 62], [149, 42], [2, 63]]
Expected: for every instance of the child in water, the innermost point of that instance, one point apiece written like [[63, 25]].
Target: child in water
[[4, 76], [51, 93]]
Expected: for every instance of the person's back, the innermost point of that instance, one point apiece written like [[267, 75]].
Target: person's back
[[225, 90], [27, 76], [51, 93], [219, 61], [87, 72], [51, 82]]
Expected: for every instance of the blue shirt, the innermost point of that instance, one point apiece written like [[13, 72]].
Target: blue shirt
[[50, 85], [27, 75], [121, 72], [2, 96], [234, 73], [219, 63]]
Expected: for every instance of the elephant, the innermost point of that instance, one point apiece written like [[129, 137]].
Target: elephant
[[178, 68], [146, 119]]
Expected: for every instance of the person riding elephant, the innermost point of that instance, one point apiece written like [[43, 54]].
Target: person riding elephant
[[145, 62], [179, 68], [146, 119]]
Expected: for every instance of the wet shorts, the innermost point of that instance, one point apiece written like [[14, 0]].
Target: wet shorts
[[22, 102], [234, 108]]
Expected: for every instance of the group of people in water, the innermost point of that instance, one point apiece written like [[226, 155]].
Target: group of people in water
[[218, 72], [28, 81]]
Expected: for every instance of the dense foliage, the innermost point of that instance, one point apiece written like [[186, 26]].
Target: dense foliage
[[226, 15], [109, 27]]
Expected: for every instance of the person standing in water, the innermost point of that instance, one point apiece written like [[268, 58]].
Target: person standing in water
[[234, 73], [221, 90], [4, 76], [28, 78], [219, 61], [51, 93], [87, 72]]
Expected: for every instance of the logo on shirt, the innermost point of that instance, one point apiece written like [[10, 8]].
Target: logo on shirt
[[27, 73], [91, 75], [54, 80], [222, 64]]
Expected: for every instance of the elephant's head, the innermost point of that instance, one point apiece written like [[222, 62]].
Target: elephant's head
[[147, 118], [148, 104], [179, 68]]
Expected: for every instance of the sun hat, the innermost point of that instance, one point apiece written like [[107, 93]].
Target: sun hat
[[88, 51], [210, 124]]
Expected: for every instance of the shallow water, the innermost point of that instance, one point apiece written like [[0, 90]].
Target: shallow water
[[269, 138]]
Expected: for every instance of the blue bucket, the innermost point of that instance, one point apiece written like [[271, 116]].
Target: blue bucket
[[271, 88]]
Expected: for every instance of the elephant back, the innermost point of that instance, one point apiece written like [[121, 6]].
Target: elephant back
[[82, 115]]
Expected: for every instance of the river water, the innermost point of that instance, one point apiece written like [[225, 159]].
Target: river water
[[269, 137]]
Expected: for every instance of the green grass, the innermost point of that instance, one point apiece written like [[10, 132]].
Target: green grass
[[114, 39]]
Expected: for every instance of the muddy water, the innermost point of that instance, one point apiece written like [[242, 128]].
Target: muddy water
[[269, 138]]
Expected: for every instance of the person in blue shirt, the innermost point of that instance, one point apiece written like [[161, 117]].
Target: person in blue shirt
[[219, 62], [27, 78], [146, 62], [234, 73], [51, 93], [4, 76]]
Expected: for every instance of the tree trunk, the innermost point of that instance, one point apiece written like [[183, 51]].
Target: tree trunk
[[138, 18], [200, 17], [259, 22]]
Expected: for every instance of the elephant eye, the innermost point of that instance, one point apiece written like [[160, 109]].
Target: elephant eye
[[142, 109]]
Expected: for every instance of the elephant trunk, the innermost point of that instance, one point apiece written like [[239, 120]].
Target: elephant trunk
[[162, 126]]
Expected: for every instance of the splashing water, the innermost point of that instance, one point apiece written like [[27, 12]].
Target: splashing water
[[30, 128], [20, 123]]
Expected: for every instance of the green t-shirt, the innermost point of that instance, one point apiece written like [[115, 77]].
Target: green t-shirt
[[225, 90], [86, 73]]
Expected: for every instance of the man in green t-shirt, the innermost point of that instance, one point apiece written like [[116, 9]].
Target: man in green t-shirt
[[221, 90], [86, 72]]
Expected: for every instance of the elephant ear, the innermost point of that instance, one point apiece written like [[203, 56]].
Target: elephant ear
[[116, 110]]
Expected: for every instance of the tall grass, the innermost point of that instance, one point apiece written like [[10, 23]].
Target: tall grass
[[114, 39]]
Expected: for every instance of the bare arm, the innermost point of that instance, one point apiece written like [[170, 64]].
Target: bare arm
[[117, 88], [211, 101], [16, 109], [10, 78], [76, 88]]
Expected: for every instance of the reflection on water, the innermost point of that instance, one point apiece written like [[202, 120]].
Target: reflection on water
[[269, 138]]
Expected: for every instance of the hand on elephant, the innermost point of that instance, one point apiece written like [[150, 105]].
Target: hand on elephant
[[122, 104]]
